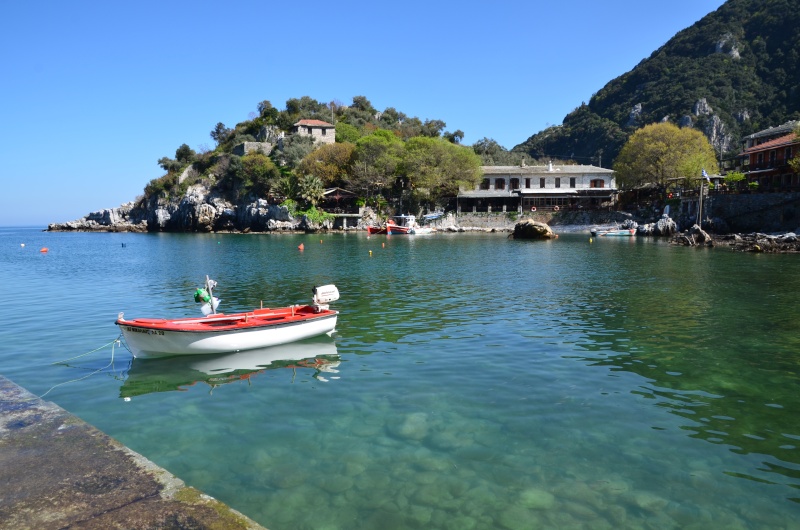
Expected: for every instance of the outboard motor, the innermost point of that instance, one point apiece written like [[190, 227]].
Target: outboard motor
[[323, 295]]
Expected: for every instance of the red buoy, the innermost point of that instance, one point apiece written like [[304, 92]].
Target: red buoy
[[44, 249], [301, 246]]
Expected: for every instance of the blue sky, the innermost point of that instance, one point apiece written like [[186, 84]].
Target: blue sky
[[94, 93]]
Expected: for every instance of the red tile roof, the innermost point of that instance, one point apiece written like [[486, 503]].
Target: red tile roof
[[313, 123], [772, 144]]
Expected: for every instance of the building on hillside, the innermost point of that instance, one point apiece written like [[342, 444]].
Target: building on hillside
[[766, 154], [531, 188], [321, 131]]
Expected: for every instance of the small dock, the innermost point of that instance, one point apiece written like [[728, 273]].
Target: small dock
[[58, 472]]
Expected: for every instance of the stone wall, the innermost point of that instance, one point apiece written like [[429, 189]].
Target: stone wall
[[498, 221], [249, 147], [507, 221], [756, 212]]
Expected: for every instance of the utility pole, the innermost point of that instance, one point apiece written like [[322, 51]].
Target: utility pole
[[700, 208]]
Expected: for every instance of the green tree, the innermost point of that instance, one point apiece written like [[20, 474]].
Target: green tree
[[267, 112], [259, 173], [295, 149], [304, 108], [168, 164], [433, 128], [329, 162], [662, 152], [454, 137], [363, 104], [311, 190], [288, 186], [347, 133], [185, 154], [375, 163], [436, 168], [494, 154], [734, 178], [220, 133]]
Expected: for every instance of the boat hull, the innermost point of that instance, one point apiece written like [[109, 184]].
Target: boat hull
[[613, 233], [233, 333]]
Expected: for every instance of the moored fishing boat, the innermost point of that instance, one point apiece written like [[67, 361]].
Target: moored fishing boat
[[613, 231], [401, 228], [405, 224], [222, 333]]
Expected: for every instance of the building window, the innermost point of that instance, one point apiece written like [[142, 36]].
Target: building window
[[597, 183], [499, 184], [772, 158], [760, 159], [324, 132], [527, 183], [788, 154], [485, 184], [514, 184], [310, 131], [572, 182], [558, 182], [541, 183]]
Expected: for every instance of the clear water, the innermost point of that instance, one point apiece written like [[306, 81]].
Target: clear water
[[474, 381]]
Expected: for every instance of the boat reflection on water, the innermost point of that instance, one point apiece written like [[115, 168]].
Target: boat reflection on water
[[146, 376]]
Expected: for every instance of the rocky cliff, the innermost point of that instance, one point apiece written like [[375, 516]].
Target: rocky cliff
[[198, 210]]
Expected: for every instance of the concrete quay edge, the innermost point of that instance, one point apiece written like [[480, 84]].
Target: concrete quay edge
[[59, 472]]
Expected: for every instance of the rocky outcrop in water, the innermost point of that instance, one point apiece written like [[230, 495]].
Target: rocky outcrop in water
[[198, 210], [530, 229], [663, 227], [695, 236]]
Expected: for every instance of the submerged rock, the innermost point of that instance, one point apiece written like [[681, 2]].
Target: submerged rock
[[537, 499]]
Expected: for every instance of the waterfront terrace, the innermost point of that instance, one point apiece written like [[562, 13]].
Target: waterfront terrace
[[530, 188]]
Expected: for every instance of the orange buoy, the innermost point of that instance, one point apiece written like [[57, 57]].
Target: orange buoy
[[301, 246], [44, 249]]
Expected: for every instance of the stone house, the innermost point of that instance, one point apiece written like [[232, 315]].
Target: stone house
[[321, 131], [530, 188]]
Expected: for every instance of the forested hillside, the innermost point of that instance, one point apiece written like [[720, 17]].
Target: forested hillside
[[735, 72]]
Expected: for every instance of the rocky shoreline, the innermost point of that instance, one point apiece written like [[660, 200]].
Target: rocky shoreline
[[198, 210], [754, 242]]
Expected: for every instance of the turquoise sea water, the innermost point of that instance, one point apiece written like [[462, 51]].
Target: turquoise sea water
[[473, 382]]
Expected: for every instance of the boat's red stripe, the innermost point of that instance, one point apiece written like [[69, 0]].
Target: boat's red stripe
[[215, 325]]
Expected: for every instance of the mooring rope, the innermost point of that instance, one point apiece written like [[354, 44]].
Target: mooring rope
[[113, 343]]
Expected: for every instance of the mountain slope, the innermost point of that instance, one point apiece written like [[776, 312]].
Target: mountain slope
[[734, 72]]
